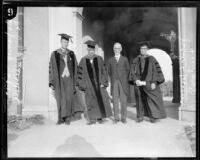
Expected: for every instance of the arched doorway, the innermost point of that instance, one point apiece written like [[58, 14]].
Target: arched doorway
[[129, 26]]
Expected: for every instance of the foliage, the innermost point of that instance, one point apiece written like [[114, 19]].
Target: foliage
[[191, 134], [21, 123]]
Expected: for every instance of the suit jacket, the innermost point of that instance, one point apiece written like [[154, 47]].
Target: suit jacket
[[119, 69]]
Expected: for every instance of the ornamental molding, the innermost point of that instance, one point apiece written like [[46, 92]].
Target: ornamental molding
[[78, 15]]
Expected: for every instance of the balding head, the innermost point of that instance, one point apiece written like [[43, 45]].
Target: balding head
[[117, 48], [117, 45]]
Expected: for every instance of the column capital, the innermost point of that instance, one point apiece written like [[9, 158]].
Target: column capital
[[78, 15]]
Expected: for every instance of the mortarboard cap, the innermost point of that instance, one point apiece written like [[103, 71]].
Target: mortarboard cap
[[90, 43], [142, 43], [65, 36]]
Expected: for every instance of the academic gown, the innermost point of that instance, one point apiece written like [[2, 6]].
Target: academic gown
[[90, 77], [68, 103], [149, 102]]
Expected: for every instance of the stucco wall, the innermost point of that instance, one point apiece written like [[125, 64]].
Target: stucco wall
[[35, 65]]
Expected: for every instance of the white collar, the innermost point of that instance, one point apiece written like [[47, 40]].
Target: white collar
[[117, 56], [63, 51]]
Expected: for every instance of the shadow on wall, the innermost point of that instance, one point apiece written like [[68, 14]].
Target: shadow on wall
[[76, 146]]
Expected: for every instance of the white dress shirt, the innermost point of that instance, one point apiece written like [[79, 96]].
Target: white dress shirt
[[117, 57]]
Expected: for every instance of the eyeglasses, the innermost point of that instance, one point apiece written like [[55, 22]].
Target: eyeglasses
[[144, 48]]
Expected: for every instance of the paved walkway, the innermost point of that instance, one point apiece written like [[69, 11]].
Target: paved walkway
[[164, 139]]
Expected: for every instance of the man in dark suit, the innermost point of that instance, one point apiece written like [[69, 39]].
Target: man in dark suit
[[118, 70]]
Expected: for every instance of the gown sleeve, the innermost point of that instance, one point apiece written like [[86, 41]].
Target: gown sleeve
[[75, 71], [158, 76], [81, 81], [51, 74]]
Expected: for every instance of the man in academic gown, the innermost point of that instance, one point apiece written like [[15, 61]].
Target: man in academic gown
[[118, 69], [63, 79], [93, 80], [146, 75]]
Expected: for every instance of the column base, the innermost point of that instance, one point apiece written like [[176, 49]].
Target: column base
[[175, 100], [187, 115], [46, 111]]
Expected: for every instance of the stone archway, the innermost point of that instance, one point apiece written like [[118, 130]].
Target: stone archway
[[185, 19], [117, 27]]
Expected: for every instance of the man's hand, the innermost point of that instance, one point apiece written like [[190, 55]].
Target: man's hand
[[102, 86], [143, 83], [153, 86], [53, 93], [52, 87], [138, 82]]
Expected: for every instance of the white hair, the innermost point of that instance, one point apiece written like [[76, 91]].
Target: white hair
[[117, 43]]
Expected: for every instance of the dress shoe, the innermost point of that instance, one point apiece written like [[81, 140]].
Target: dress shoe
[[152, 120], [115, 121], [124, 121], [140, 119], [67, 121], [91, 122], [59, 122], [100, 121]]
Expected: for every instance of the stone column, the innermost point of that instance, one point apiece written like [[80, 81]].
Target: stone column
[[21, 50], [78, 18], [35, 61], [176, 80], [79, 45], [187, 46], [12, 80]]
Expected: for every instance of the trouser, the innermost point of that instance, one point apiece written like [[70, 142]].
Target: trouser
[[141, 103], [83, 103], [118, 94]]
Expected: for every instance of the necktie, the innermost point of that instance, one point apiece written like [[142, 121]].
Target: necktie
[[65, 71], [117, 58]]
